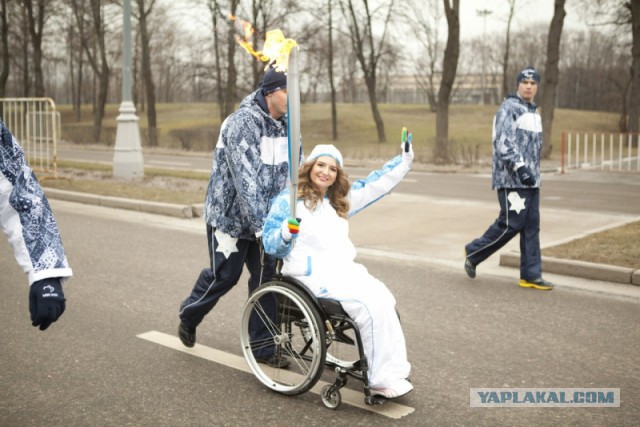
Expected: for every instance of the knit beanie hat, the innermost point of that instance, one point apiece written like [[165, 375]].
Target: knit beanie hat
[[528, 73], [272, 81], [325, 150]]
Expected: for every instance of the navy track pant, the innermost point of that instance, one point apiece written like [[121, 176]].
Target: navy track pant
[[519, 214], [228, 258]]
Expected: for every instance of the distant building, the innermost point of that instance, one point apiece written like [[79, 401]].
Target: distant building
[[406, 89]]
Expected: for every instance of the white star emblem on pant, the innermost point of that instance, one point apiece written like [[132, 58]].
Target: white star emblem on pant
[[226, 243], [517, 202]]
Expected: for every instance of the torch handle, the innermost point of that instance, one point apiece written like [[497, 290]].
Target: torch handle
[[293, 118]]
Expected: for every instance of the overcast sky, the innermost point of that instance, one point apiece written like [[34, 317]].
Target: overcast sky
[[527, 12]]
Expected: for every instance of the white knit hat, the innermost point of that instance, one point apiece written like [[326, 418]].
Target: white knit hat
[[325, 150]]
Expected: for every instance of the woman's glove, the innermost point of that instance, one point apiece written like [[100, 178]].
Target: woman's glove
[[46, 302], [290, 229]]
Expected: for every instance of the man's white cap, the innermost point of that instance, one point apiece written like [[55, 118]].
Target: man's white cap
[[325, 150]]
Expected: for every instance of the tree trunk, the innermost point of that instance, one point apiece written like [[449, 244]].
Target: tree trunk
[[361, 40], [147, 72], [551, 76], [4, 76], [36, 24], [225, 88], [634, 100], [232, 74], [449, 66], [507, 45], [97, 59], [375, 111], [334, 110], [26, 58], [103, 92]]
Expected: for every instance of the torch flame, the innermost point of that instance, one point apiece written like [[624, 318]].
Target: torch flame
[[275, 50]]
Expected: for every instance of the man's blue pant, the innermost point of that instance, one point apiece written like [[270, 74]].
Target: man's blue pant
[[228, 258], [519, 214]]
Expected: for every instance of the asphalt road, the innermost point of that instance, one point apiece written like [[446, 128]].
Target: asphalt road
[[133, 269], [589, 191]]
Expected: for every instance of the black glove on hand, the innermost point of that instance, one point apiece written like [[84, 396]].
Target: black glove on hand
[[525, 175], [46, 302]]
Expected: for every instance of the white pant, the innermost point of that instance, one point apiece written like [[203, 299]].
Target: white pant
[[372, 306]]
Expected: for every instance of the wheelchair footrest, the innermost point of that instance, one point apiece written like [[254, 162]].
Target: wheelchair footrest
[[375, 400]]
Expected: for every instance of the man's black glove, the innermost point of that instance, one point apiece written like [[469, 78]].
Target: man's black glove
[[525, 175], [46, 302]]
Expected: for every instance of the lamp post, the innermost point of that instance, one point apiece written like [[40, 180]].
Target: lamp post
[[483, 13], [127, 155]]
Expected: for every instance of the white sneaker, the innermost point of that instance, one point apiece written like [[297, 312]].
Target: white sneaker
[[397, 389]]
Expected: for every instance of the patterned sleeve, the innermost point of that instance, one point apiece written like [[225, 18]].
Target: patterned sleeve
[[504, 130], [272, 237], [26, 217]]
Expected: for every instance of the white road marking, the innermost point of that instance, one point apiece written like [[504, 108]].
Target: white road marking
[[351, 397]]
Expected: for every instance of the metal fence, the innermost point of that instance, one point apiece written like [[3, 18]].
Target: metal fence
[[611, 151], [35, 124]]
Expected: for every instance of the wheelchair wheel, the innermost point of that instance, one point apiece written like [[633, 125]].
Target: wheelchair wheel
[[331, 398], [289, 324]]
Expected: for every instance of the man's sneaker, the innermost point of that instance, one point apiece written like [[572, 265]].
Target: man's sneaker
[[187, 335], [539, 283], [275, 361], [469, 268]]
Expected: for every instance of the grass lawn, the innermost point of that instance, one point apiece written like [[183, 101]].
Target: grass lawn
[[195, 127]]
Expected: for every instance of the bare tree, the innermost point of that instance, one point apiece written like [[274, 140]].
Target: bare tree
[[98, 57], [551, 72], [427, 21], [334, 109], [367, 50], [38, 11], [4, 75], [634, 95], [507, 46], [226, 88], [75, 35], [449, 66], [147, 73]]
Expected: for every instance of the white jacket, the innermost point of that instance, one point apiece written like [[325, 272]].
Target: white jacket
[[323, 242]]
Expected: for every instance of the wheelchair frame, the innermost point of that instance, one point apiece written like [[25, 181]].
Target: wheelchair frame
[[304, 329]]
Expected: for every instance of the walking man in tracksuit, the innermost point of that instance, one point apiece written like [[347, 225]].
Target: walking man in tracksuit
[[517, 142], [250, 168]]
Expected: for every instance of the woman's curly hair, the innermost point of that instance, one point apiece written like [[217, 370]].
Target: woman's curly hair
[[337, 192]]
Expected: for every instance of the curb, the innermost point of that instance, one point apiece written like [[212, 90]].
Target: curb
[[585, 270], [160, 208]]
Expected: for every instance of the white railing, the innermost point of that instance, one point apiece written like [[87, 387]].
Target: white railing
[[35, 124], [604, 151]]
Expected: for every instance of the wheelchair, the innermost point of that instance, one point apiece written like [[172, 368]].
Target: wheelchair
[[312, 333]]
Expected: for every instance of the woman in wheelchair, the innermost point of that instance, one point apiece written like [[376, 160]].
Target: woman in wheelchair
[[322, 257]]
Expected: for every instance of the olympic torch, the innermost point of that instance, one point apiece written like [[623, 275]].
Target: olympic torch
[[293, 122], [283, 53]]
